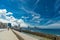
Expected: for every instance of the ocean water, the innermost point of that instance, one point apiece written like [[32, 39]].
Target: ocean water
[[47, 31]]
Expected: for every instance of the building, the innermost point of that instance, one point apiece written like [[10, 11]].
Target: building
[[3, 25]]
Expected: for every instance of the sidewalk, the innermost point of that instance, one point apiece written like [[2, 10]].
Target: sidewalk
[[26, 36], [7, 35]]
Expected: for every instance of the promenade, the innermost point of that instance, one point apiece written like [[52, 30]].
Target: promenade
[[15, 35], [7, 35]]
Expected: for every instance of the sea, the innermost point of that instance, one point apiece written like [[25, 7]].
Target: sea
[[45, 31], [49, 31]]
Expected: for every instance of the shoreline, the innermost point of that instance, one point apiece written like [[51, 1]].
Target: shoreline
[[53, 37]]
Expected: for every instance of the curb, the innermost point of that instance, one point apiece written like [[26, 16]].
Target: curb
[[19, 37]]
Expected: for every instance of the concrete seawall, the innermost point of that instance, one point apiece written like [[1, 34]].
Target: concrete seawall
[[17, 35], [53, 37], [23, 36], [58, 38]]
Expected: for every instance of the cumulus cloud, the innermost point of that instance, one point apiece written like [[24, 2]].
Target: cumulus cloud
[[3, 16], [17, 22], [10, 19], [3, 11], [22, 23], [4, 21], [9, 13]]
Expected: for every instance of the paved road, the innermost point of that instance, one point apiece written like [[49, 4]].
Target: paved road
[[7, 35]]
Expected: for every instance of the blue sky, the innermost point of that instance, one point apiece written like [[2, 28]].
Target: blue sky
[[34, 12]]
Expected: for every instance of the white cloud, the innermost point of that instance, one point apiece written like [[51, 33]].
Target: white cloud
[[9, 13], [37, 21], [36, 17], [7, 18], [25, 9], [11, 19], [54, 26], [3, 16], [24, 17], [29, 11], [51, 26], [22, 23], [34, 14], [49, 21], [3, 11], [4, 21], [15, 21]]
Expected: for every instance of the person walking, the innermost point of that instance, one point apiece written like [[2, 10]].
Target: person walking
[[9, 26]]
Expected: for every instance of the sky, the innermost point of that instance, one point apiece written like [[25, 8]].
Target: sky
[[40, 13]]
